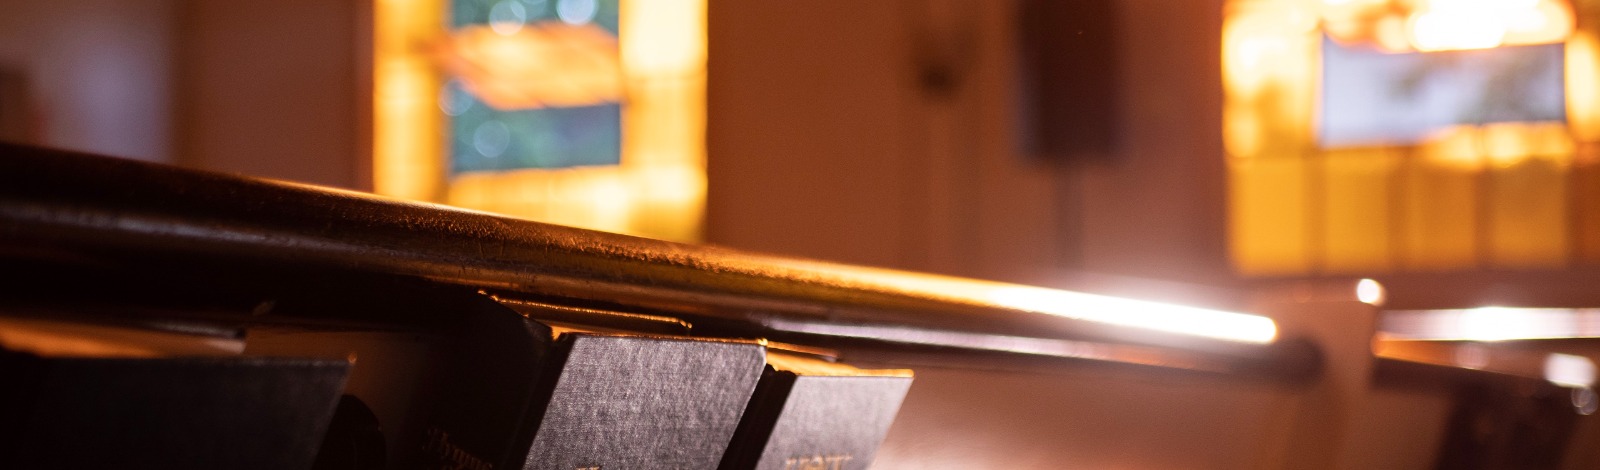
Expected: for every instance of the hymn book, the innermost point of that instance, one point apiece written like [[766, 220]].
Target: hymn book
[[812, 414]]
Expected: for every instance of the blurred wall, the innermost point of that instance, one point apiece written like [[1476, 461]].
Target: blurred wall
[[274, 88], [807, 146], [257, 87], [826, 140], [93, 75]]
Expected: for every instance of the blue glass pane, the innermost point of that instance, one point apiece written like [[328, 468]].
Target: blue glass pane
[[1373, 98], [471, 12], [483, 138]]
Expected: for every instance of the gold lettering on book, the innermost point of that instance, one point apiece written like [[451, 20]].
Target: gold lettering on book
[[816, 462], [449, 456]]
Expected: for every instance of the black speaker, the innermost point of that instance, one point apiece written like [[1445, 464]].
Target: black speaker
[[1068, 78]]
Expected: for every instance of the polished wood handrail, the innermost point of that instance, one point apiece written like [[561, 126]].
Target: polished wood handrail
[[56, 200]]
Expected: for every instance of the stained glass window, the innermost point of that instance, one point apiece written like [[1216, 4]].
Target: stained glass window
[[1372, 97], [1377, 136], [587, 113], [558, 106]]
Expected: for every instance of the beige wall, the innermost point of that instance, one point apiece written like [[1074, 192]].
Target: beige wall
[[821, 144], [274, 88], [805, 128], [98, 74], [257, 87]]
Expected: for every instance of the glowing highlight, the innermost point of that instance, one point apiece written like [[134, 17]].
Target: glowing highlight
[[1147, 315]]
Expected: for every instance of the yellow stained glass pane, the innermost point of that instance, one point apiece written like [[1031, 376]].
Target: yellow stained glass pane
[[1439, 225], [1586, 205], [1526, 208], [1356, 193], [405, 118], [1269, 223]]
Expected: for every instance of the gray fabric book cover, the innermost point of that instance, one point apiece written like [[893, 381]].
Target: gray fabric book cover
[[626, 402], [813, 415], [527, 394]]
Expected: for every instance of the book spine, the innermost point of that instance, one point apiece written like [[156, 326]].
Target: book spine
[[489, 407], [807, 422], [760, 415]]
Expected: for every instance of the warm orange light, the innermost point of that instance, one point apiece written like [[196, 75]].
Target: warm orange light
[[1120, 311], [1569, 370], [1390, 33], [664, 38], [1437, 25], [1265, 42], [1154, 316], [1269, 70], [1456, 28], [1491, 324], [1456, 147], [1549, 21], [405, 118], [1370, 292], [1583, 97], [536, 66]]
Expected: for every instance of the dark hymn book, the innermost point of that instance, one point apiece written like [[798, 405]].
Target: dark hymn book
[[568, 399], [810, 414], [95, 396], [641, 402]]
